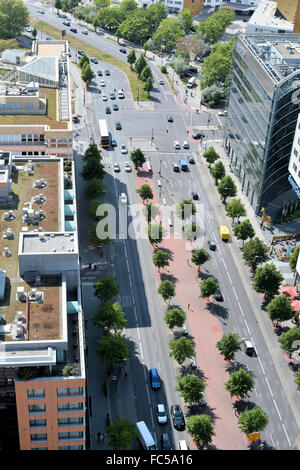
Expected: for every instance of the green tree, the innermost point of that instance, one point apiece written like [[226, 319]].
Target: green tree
[[131, 58], [134, 28], [201, 429], [148, 87], [92, 152], [100, 4], [83, 60], [58, 5], [14, 17], [235, 209], [218, 171], [255, 252], [185, 209], [227, 188], [179, 64], [290, 340], [191, 388], [199, 257], [92, 210], [208, 287], [121, 434], [70, 370], [112, 349], [87, 74], [92, 169], [167, 34], [128, 6], [138, 158], [95, 239], [34, 33], [254, 420], [229, 345], [280, 309], [140, 64], [214, 94], [161, 259], [150, 211], [216, 67], [267, 280], [175, 318], [244, 230], [146, 73], [106, 288], [110, 317], [181, 349], [166, 290], [216, 24], [298, 380], [109, 18], [155, 233], [294, 258], [155, 13], [191, 232], [185, 18], [145, 192], [240, 384], [211, 156], [94, 188]]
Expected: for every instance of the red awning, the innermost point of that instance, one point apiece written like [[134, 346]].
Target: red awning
[[289, 290], [296, 305]]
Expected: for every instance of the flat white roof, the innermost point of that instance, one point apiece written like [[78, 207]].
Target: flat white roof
[[264, 15]]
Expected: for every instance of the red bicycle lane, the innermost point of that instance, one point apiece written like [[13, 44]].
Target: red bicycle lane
[[205, 329]]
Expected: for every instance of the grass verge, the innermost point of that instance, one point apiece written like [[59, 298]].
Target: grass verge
[[136, 85]]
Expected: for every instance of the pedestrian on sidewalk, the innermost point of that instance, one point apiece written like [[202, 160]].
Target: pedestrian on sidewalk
[[98, 436], [90, 266], [189, 306]]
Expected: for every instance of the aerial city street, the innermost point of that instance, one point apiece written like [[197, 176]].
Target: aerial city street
[[150, 185]]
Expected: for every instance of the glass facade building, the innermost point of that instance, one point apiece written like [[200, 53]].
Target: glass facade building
[[262, 113]]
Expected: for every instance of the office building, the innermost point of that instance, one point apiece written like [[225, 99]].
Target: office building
[[173, 6], [263, 110], [290, 9], [240, 6], [294, 163], [266, 19]]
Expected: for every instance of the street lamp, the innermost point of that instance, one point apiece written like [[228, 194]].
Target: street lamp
[[159, 168]]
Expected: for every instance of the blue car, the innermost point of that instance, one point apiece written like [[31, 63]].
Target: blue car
[[155, 380]]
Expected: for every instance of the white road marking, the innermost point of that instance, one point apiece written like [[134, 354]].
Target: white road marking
[[269, 387], [277, 409]]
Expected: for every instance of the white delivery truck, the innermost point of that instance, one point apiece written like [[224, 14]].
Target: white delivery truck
[[145, 436], [191, 82]]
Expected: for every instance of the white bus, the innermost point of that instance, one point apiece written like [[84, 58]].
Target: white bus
[[104, 135], [145, 436]]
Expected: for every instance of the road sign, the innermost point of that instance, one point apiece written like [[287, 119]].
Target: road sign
[[254, 436]]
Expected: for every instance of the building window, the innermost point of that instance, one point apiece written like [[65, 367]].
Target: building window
[[37, 408], [62, 436], [42, 138], [68, 421], [70, 448], [39, 448], [38, 437], [295, 152], [63, 392], [295, 167], [23, 137], [70, 406], [29, 138], [36, 393], [35, 423], [35, 138]]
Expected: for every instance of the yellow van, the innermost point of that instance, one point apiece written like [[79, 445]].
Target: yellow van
[[224, 232]]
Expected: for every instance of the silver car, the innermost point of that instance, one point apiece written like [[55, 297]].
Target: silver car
[[161, 414]]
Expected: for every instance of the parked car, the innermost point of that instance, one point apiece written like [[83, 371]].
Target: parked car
[[123, 149], [102, 82], [107, 72], [118, 125], [84, 31], [176, 167], [198, 135], [161, 414], [123, 198], [218, 296], [212, 245], [161, 82], [222, 113], [127, 167], [195, 195], [165, 442], [113, 142], [80, 53], [74, 30], [99, 73], [177, 417], [191, 160], [123, 50], [95, 61], [170, 118], [115, 107], [107, 110], [185, 144], [176, 145], [66, 23], [154, 379], [116, 167], [104, 97], [112, 96]]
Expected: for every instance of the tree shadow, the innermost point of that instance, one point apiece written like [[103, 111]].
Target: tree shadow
[[221, 312], [241, 405], [168, 277], [165, 250]]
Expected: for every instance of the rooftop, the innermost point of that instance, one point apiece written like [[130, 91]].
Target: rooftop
[[265, 14]]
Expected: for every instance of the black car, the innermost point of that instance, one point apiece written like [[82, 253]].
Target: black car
[[195, 195], [191, 160], [177, 417], [99, 73], [107, 72], [80, 52], [211, 245], [74, 30], [107, 110], [198, 135], [218, 296], [66, 23], [118, 126], [165, 442], [95, 61], [115, 107], [123, 50], [170, 118], [112, 96]]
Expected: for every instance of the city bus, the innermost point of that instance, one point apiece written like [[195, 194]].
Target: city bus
[[104, 135]]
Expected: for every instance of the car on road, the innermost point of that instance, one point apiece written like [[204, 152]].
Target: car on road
[[185, 144], [154, 379], [127, 167], [66, 23], [123, 149], [165, 441], [74, 30], [107, 110], [104, 97], [112, 96], [117, 167], [222, 113], [197, 135], [176, 145], [170, 118], [212, 245], [118, 125], [176, 167], [195, 195], [84, 31], [41, 12], [123, 198], [161, 82], [177, 417], [48, 39], [113, 142], [161, 414], [219, 296], [102, 82], [95, 61], [123, 50], [248, 346], [99, 73], [191, 160], [115, 107], [107, 72], [80, 53]]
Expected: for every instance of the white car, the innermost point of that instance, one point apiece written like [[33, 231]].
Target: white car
[[127, 167], [117, 167], [84, 31], [222, 113], [161, 82], [123, 198], [123, 149], [102, 83], [176, 145], [104, 97], [185, 144], [161, 414]]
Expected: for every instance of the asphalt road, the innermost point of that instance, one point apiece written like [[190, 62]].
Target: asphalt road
[[275, 391]]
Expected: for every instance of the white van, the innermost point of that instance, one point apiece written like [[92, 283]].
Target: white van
[[182, 445], [121, 94], [191, 82], [145, 437]]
